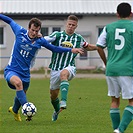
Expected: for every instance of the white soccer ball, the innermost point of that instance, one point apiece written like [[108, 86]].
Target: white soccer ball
[[29, 109]]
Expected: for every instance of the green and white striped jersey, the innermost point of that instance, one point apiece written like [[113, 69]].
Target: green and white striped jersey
[[62, 60], [118, 38]]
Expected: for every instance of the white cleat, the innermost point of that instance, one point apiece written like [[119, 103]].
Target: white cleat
[[117, 131], [62, 104]]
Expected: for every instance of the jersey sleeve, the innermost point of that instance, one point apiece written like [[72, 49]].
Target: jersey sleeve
[[81, 40], [52, 37], [101, 42], [15, 27], [5, 18], [57, 49]]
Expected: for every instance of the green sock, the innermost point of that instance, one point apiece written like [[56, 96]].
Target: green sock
[[56, 104], [64, 90], [126, 118], [115, 117]]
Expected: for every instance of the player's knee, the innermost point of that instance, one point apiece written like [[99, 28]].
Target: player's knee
[[64, 75], [18, 84]]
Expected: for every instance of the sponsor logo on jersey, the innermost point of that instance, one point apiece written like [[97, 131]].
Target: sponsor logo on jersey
[[26, 47], [67, 44]]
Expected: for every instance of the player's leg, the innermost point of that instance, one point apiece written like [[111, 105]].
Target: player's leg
[[126, 117], [127, 93], [15, 109], [16, 105], [66, 74], [10, 78], [64, 85], [115, 112], [16, 81], [55, 103], [114, 92], [54, 92], [55, 99], [64, 93]]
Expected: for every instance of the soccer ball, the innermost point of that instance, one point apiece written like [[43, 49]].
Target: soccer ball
[[29, 109]]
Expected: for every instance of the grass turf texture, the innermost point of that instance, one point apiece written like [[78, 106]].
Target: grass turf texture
[[87, 109]]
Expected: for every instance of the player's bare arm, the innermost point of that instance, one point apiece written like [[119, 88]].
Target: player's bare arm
[[77, 50], [102, 55], [89, 47]]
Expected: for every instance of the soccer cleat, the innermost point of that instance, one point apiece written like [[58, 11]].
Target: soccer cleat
[[62, 104], [116, 131], [55, 115], [16, 116], [28, 118]]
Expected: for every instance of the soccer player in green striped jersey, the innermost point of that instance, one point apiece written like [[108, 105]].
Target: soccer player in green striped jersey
[[63, 66], [118, 38]]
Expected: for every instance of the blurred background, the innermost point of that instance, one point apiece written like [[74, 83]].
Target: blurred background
[[93, 16]]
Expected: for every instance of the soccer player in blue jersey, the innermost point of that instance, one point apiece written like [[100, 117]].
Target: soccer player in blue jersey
[[62, 65], [118, 38], [26, 45]]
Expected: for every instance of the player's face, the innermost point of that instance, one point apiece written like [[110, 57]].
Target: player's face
[[71, 25], [33, 31]]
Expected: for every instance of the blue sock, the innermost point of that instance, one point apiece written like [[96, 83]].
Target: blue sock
[[21, 97], [16, 105]]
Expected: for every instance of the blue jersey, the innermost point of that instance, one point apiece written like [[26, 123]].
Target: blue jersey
[[25, 49]]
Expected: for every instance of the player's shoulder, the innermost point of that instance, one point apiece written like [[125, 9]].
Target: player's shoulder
[[19, 30], [55, 33], [58, 34], [112, 23], [23, 30], [118, 22], [78, 35]]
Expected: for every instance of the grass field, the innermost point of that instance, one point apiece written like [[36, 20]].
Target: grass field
[[87, 109]]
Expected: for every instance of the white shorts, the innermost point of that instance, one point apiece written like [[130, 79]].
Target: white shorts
[[55, 77], [120, 85]]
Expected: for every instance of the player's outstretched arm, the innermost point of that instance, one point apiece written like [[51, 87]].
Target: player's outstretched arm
[[60, 49], [5, 18], [77, 50], [53, 48], [89, 47]]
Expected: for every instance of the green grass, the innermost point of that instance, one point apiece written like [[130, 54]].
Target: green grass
[[87, 109]]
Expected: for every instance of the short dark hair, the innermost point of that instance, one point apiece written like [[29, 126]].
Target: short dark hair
[[36, 22], [72, 17], [124, 10]]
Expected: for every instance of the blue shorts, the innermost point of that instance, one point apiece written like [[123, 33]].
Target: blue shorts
[[9, 74]]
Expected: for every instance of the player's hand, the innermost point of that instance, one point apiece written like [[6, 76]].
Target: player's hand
[[39, 35], [77, 50]]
